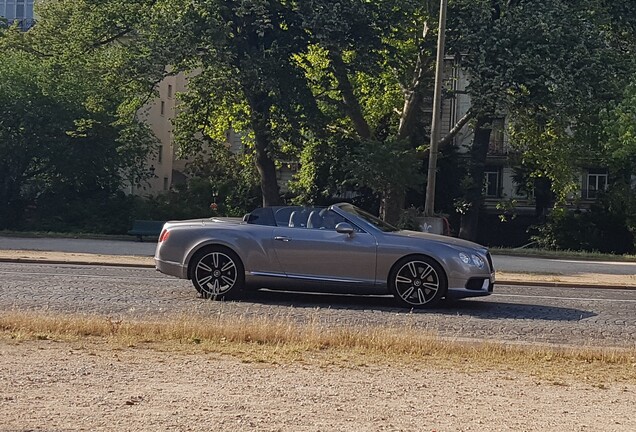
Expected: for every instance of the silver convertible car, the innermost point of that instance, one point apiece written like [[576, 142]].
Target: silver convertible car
[[339, 249]]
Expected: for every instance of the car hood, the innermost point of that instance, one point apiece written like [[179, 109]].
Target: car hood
[[452, 241]]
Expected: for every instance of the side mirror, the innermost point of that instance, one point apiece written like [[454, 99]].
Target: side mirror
[[344, 228]]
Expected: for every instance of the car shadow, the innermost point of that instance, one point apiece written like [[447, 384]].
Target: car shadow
[[482, 308]]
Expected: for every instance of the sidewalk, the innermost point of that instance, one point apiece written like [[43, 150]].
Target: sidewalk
[[510, 270]]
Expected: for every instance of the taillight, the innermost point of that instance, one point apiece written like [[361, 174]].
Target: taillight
[[164, 235]]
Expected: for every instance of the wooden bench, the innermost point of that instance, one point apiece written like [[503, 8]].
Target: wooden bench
[[149, 228]]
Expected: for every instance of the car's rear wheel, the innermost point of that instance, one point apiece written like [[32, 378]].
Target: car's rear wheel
[[217, 273], [418, 281]]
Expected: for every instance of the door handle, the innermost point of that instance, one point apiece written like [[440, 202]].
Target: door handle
[[282, 238]]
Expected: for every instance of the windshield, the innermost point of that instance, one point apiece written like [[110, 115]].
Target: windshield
[[372, 220]]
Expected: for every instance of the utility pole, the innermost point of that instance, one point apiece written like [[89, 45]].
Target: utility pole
[[429, 205]]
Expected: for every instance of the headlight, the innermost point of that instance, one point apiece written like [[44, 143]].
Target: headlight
[[473, 259], [478, 261], [465, 258]]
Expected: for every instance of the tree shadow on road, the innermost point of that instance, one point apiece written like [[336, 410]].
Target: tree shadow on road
[[489, 309], [483, 308]]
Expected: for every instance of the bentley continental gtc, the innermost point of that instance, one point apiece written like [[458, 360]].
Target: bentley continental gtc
[[337, 249]]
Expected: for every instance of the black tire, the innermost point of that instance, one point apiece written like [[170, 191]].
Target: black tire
[[217, 273], [417, 281]]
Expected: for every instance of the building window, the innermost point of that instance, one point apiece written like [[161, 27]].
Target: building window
[[596, 181], [169, 91], [165, 183], [160, 154], [16, 9], [491, 183], [163, 107], [496, 143], [20, 11]]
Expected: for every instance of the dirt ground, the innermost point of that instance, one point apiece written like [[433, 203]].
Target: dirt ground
[[68, 386]]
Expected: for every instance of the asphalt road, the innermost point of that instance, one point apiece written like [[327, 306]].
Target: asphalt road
[[594, 317], [562, 266], [501, 262]]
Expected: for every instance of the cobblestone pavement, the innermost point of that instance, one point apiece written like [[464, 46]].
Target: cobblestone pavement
[[578, 316], [147, 249]]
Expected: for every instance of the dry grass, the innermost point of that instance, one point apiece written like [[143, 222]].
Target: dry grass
[[279, 340]]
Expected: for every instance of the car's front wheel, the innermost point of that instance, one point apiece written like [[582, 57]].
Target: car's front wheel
[[217, 273], [418, 281]]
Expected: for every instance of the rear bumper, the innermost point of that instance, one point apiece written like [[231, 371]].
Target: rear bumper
[[171, 268]]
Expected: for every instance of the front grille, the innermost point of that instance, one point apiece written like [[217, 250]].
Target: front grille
[[475, 284]]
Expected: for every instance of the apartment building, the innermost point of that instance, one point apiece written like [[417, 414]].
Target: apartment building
[[499, 183], [165, 165]]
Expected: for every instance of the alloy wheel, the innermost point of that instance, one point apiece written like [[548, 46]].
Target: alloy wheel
[[215, 274], [417, 283]]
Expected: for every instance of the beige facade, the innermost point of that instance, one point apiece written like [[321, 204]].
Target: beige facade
[[159, 114], [168, 168]]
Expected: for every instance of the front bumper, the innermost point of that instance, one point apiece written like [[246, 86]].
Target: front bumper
[[475, 286], [459, 293]]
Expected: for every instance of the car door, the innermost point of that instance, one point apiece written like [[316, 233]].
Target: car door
[[315, 251]]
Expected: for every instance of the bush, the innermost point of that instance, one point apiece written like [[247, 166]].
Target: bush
[[607, 227], [508, 233], [98, 213], [104, 213]]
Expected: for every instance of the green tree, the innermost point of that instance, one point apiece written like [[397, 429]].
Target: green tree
[[619, 132], [550, 66], [237, 54], [370, 70], [245, 81], [50, 144], [69, 127]]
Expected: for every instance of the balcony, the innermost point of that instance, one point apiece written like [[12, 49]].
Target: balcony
[[23, 23], [497, 147]]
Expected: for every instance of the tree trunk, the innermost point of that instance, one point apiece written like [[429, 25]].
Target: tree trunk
[[542, 197], [475, 192], [259, 119], [11, 210], [11, 202], [393, 198], [392, 204], [351, 106]]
